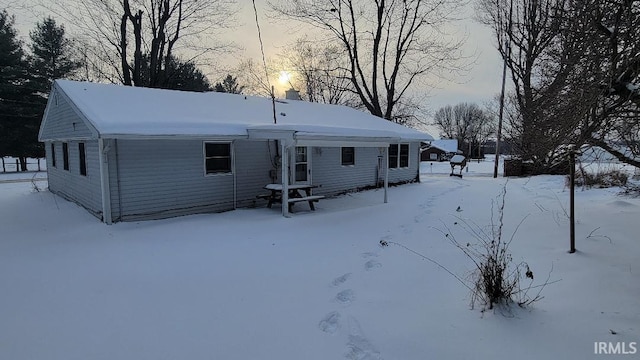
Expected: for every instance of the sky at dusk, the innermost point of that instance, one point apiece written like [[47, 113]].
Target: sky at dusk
[[480, 84]]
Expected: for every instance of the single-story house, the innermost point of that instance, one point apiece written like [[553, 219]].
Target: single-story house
[[439, 150], [128, 153]]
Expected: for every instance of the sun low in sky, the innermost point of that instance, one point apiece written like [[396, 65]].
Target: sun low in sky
[[284, 78]]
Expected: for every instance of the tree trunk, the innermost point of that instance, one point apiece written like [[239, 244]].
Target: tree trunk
[[23, 163]]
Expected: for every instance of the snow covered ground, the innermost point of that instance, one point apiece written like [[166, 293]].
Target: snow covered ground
[[250, 284]]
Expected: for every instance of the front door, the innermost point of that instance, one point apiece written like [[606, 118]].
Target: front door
[[301, 165]]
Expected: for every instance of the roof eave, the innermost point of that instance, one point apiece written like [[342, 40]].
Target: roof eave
[[126, 136]]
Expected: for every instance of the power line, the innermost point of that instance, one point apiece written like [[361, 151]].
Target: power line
[[264, 63]]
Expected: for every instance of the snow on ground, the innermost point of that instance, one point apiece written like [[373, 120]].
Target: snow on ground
[[250, 284]]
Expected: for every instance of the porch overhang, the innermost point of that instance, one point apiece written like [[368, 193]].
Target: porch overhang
[[303, 137]]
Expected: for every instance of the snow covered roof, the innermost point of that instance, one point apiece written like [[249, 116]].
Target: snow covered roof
[[116, 110], [446, 145]]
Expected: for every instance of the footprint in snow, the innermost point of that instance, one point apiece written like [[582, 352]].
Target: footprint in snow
[[345, 296], [372, 264], [406, 229], [341, 279], [370, 254], [330, 323], [360, 348]]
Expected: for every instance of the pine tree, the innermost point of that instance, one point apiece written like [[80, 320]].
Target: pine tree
[[51, 57], [20, 111], [229, 85], [177, 75], [185, 76]]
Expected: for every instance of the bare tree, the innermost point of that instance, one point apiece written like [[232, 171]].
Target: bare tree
[[119, 34], [544, 52], [389, 45], [467, 123], [575, 67], [613, 57], [318, 70], [254, 78]]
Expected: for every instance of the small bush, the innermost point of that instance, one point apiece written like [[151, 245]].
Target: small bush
[[496, 280], [600, 179], [631, 190]]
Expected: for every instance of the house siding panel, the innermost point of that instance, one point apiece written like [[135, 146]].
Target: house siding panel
[[253, 164], [62, 121], [334, 178], [113, 169], [402, 175], [154, 179], [84, 190], [165, 178]]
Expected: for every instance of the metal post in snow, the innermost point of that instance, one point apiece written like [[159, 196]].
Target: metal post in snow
[[285, 180], [572, 181], [386, 173]]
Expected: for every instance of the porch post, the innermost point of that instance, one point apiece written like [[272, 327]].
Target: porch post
[[285, 179], [386, 172], [235, 175]]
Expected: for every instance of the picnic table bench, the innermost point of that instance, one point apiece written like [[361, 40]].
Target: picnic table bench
[[297, 193]]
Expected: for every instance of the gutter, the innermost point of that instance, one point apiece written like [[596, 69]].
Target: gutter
[[104, 180]]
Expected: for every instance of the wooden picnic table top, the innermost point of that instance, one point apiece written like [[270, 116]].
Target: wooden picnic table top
[[278, 187]]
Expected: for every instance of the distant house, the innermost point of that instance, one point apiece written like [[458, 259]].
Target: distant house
[[127, 153], [439, 150]]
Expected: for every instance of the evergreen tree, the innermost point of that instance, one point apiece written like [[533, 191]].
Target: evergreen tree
[[20, 108], [51, 57], [177, 75], [185, 76], [229, 85]]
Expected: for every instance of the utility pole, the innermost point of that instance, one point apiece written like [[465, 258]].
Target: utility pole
[[507, 50]]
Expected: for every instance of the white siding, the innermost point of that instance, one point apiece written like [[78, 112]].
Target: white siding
[[402, 175], [84, 190], [163, 178], [253, 164], [334, 178], [62, 121], [112, 158], [154, 179]]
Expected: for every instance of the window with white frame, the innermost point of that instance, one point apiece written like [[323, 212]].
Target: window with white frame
[[217, 158], [398, 156], [348, 156]]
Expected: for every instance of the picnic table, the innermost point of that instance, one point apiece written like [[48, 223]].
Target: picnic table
[[457, 160], [297, 193]]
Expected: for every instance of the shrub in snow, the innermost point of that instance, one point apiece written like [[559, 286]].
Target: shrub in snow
[[496, 278], [600, 179], [632, 190]]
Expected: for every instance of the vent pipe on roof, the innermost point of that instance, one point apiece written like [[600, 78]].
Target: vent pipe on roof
[[292, 94]]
